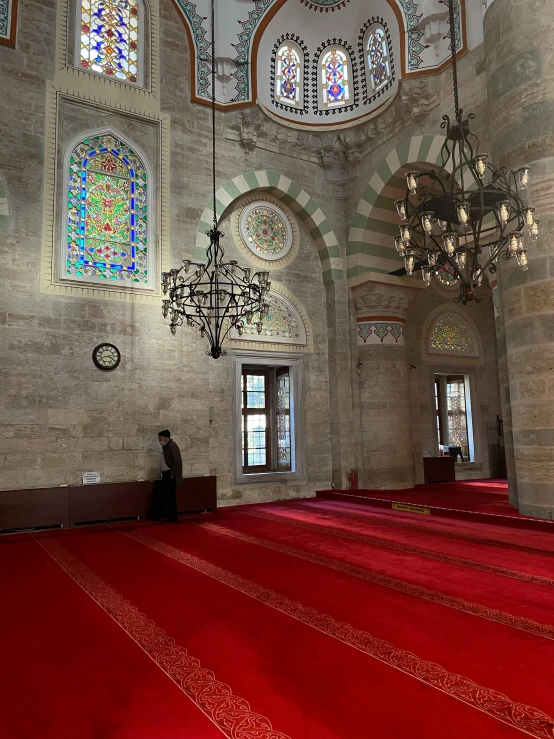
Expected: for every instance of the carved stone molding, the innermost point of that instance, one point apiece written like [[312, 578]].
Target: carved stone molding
[[346, 147], [373, 299]]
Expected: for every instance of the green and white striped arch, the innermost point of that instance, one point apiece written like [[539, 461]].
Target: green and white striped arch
[[370, 245], [296, 198], [4, 215]]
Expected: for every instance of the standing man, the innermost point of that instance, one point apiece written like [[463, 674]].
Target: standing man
[[171, 468]]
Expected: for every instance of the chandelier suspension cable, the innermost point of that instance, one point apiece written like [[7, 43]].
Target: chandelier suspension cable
[[215, 297], [454, 55], [213, 112]]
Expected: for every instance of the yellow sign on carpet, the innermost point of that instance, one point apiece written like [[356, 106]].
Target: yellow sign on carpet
[[411, 508]]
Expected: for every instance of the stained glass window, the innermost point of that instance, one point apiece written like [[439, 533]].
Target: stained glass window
[[289, 75], [283, 420], [378, 60], [334, 78], [110, 38], [266, 230], [449, 334], [282, 323], [107, 226], [446, 275]]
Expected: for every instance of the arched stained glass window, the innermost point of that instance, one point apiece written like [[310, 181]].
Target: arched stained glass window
[[107, 216], [335, 78], [282, 325], [288, 89], [110, 38], [451, 335], [378, 57]]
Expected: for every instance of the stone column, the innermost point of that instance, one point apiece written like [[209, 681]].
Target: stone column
[[520, 72], [504, 391], [387, 460]]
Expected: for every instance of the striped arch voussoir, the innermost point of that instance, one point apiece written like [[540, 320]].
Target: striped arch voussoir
[[370, 245], [297, 200]]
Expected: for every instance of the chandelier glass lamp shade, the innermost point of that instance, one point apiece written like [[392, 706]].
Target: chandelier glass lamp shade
[[461, 219], [215, 296]]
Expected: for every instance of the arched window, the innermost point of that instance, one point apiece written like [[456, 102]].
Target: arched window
[[110, 38], [335, 77], [288, 88], [451, 335], [282, 325], [289, 62], [107, 237], [378, 57]]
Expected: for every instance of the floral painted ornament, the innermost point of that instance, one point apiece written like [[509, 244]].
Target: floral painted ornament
[[325, 5]]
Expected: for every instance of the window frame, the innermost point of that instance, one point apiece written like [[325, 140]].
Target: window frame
[[141, 55], [297, 104], [152, 241], [372, 30], [348, 78], [266, 411], [257, 360], [475, 438]]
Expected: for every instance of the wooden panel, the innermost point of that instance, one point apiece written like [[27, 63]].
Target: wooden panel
[[439, 469], [197, 494], [26, 509], [108, 501], [81, 504]]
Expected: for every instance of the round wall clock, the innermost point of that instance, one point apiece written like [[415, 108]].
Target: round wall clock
[[106, 356]]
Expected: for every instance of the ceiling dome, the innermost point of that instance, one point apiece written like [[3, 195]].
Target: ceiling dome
[[363, 75]]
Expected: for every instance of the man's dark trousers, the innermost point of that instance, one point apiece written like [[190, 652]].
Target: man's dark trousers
[[170, 494]]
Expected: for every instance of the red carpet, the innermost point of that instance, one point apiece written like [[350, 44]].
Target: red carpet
[[470, 499], [307, 620]]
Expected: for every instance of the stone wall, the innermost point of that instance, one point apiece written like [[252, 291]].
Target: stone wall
[[60, 415]]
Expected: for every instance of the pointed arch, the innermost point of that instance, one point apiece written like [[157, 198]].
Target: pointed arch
[[297, 199], [370, 245], [109, 218]]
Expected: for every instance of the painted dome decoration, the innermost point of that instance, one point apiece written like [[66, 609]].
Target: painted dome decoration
[[325, 5]]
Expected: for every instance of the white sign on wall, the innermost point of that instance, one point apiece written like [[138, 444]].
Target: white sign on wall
[[91, 478]]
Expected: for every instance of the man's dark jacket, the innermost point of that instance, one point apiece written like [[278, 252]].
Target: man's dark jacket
[[172, 456]]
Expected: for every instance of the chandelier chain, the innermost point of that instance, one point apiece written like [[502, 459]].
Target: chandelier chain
[[213, 112], [453, 54]]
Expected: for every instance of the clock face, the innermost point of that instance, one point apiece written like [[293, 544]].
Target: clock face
[[106, 356]]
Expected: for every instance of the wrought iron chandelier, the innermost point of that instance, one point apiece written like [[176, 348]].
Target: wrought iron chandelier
[[216, 296], [463, 218]]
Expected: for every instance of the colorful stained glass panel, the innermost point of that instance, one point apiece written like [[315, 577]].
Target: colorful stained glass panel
[[109, 38], [289, 75], [378, 58], [280, 322], [266, 230], [334, 78], [450, 335], [107, 230]]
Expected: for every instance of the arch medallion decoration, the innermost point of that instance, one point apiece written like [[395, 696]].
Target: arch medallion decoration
[[265, 230]]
